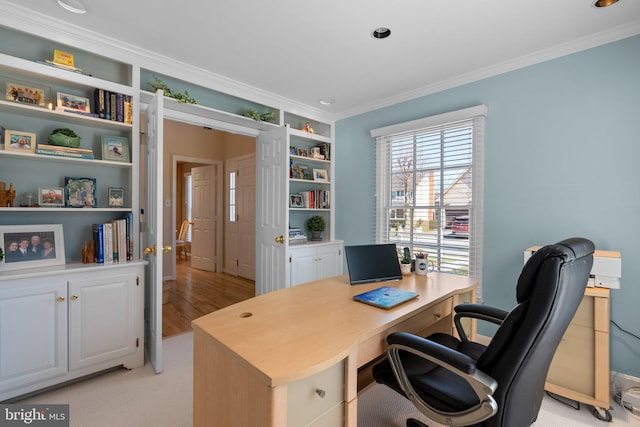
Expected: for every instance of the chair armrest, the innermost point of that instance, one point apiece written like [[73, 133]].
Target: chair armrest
[[458, 363], [443, 354], [477, 311]]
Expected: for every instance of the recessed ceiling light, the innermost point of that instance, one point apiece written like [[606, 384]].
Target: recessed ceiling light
[[326, 101], [381, 33], [73, 6], [605, 3]]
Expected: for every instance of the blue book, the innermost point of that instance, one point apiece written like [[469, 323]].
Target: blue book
[[98, 236], [385, 297]]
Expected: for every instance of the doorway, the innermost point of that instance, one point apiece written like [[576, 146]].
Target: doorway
[[191, 292]]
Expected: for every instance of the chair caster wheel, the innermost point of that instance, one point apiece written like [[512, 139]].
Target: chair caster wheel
[[602, 414]]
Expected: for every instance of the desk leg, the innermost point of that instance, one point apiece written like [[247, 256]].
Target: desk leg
[[351, 391]]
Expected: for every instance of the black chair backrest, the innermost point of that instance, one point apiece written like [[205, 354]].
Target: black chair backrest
[[549, 290]]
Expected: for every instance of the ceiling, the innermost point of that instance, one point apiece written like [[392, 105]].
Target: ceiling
[[311, 50]]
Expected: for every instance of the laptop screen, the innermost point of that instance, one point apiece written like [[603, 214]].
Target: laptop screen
[[372, 263]]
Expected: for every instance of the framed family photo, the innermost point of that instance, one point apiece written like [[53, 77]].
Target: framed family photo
[[18, 141], [72, 102], [295, 201], [31, 246], [26, 93], [80, 192], [115, 148], [116, 197], [320, 175], [51, 197]]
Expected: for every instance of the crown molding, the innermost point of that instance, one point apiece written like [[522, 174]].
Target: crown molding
[[581, 44], [63, 32]]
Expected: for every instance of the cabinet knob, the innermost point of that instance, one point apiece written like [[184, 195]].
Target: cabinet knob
[[280, 239], [321, 392], [74, 297], [60, 299]]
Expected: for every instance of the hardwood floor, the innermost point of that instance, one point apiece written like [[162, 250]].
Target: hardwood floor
[[199, 292]]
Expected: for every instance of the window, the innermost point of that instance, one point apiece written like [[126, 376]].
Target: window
[[429, 179], [232, 197]]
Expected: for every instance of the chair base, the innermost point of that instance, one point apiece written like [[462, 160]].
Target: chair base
[[411, 422]]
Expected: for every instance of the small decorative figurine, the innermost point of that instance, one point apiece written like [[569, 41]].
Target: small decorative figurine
[[307, 128], [7, 197]]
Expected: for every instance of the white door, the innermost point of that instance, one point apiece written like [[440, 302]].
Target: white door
[[203, 231], [272, 216], [246, 205], [153, 232]]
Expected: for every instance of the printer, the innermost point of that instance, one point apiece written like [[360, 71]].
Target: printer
[[606, 270]]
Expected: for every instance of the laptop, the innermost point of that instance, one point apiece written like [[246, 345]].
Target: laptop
[[372, 263], [385, 297]]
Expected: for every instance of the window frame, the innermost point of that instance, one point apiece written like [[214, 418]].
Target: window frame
[[474, 117]]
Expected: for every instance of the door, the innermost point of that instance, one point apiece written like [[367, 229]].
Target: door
[[272, 216], [246, 205], [153, 232], [204, 231]]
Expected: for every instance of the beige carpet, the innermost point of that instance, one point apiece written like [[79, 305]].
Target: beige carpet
[[140, 398]]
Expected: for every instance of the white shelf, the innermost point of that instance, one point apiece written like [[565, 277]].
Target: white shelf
[[62, 159], [309, 181], [41, 112], [63, 209], [310, 159], [309, 136]]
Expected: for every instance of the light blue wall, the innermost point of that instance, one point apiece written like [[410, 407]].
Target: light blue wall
[[562, 148]]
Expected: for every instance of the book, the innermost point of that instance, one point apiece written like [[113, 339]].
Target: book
[[99, 102], [119, 107], [107, 105], [108, 243], [61, 153], [69, 149], [98, 237], [128, 109], [129, 220], [112, 106]]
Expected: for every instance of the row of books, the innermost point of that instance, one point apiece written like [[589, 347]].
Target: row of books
[[113, 106], [113, 240], [315, 199], [55, 150]]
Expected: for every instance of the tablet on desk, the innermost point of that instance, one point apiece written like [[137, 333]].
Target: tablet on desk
[[385, 297]]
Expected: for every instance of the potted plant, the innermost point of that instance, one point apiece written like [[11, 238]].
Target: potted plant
[[316, 225], [64, 137], [405, 262]]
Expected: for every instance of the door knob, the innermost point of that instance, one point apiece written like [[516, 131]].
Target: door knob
[[149, 250], [280, 239]]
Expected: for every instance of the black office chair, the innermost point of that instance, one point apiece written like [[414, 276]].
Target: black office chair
[[458, 382]]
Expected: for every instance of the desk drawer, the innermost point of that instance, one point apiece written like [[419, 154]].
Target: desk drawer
[[311, 397], [422, 324]]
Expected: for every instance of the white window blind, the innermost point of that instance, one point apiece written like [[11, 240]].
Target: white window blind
[[429, 186]]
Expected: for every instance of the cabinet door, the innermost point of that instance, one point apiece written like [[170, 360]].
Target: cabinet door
[[303, 265], [329, 261], [102, 319], [33, 332]]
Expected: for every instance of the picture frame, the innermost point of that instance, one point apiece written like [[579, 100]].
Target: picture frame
[[296, 201], [25, 93], [51, 197], [19, 141], [320, 175], [43, 243], [115, 148], [80, 192], [116, 197], [303, 152], [73, 102]]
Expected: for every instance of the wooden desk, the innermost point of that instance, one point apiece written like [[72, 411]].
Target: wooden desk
[[291, 357]]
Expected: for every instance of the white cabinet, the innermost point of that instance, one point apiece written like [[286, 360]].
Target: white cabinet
[[56, 326], [314, 262], [33, 332]]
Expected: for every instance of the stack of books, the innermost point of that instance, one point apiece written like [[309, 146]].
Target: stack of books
[[113, 240], [55, 150]]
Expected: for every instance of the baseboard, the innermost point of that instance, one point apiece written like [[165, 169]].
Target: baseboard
[[621, 382]]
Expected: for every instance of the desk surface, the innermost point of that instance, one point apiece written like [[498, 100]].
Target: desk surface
[[293, 333]]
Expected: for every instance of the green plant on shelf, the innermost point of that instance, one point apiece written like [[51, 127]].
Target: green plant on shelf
[[183, 98], [264, 117]]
